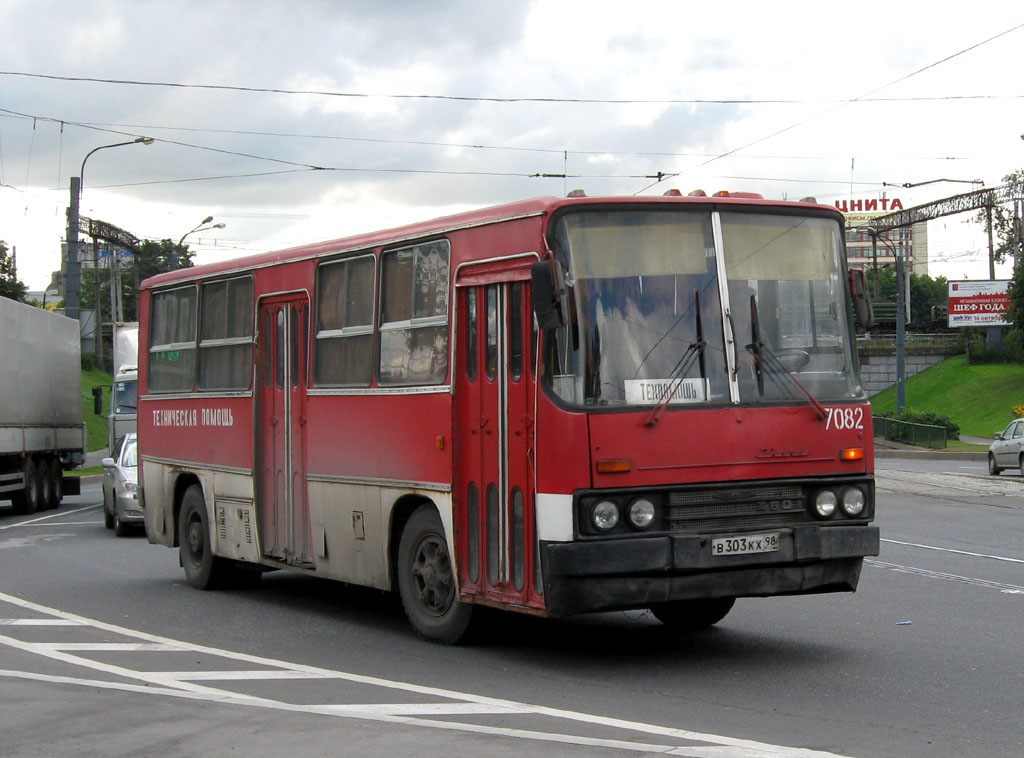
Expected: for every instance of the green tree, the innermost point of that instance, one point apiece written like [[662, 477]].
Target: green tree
[[1006, 224], [925, 293], [1008, 233], [10, 286], [152, 259]]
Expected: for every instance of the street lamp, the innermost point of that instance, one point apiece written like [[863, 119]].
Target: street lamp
[[73, 277], [200, 227]]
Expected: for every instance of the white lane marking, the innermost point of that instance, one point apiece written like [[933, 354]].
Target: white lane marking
[[1008, 588], [39, 622], [49, 516], [233, 675], [379, 713], [718, 746], [958, 552], [149, 647], [71, 523]]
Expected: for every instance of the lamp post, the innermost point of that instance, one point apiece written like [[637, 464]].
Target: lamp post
[[200, 227], [73, 277]]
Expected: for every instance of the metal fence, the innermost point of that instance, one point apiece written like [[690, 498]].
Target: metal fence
[[913, 434]]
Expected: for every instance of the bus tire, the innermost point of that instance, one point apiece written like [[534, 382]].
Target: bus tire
[[688, 615], [426, 580], [203, 569]]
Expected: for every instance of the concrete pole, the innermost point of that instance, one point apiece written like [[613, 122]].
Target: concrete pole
[[73, 267]]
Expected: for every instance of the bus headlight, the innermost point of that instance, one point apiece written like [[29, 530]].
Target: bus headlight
[[853, 501], [825, 503], [641, 513], [605, 516]]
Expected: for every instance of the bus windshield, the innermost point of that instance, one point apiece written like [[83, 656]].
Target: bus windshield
[[701, 307]]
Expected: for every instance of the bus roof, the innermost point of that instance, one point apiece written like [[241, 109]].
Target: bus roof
[[538, 206]]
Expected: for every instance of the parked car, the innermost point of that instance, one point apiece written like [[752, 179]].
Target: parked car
[[1007, 449], [121, 509]]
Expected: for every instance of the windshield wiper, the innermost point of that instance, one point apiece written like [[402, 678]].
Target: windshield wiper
[[767, 362], [693, 352]]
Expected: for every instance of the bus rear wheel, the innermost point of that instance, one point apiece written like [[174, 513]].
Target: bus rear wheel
[[426, 580], [203, 569], [693, 614]]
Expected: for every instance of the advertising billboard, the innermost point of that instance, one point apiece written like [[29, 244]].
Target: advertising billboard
[[978, 303]]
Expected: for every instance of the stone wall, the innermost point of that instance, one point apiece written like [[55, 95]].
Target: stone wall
[[878, 371]]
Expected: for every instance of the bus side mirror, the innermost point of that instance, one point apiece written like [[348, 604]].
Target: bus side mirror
[[97, 400], [546, 294], [862, 310]]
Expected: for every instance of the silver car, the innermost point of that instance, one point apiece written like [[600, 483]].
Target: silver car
[[1007, 449], [121, 509]]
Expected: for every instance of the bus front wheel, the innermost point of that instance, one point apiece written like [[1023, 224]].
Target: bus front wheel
[[693, 614], [426, 580]]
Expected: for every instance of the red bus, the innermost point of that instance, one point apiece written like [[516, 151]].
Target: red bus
[[556, 406]]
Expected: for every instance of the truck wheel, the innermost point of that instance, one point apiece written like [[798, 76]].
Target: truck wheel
[[426, 580], [203, 569], [56, 483], [44, 485], [27, 501], [689, 615]]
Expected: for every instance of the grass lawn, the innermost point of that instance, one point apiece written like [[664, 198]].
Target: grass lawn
[[96, 426], [979, 399]]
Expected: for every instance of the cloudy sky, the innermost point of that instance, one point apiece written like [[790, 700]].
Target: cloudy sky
[[304, 120]]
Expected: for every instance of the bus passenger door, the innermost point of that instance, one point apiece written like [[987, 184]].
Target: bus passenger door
[[494, 434], [285, 533]]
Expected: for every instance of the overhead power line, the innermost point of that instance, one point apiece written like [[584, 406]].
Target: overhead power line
[[495, 99]]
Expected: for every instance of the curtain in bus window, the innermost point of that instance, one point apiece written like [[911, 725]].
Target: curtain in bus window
[[414, 314], [226, 335], [344, 323], [172, 340]]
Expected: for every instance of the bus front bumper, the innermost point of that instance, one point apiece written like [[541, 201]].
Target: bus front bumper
[[582, 577]]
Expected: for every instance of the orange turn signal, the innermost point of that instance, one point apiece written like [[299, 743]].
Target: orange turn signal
[[851, 454], [614, 467]]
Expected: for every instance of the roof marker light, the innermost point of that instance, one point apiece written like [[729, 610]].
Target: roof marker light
[[697, 193], [672, 193], [576, 193]]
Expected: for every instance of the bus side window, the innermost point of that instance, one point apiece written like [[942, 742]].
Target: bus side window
[[280, 348], [268, 350], [296, 347], [491, 348], [472, 326], [515, 337]]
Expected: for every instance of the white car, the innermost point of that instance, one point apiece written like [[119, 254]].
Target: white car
[[1007, 449], [121, 507]]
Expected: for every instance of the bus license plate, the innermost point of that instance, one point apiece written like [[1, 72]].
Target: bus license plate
[[754, 543]]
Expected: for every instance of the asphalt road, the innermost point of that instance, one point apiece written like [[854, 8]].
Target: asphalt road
[[104, 650]]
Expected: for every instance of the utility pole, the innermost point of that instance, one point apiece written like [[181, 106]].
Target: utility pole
[[901, 334], [73, 268]]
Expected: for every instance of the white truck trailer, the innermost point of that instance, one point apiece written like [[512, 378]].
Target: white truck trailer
[[124, 392], [41, 429]]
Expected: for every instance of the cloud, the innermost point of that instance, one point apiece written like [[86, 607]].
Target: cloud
[[392, 160]]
